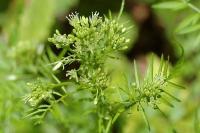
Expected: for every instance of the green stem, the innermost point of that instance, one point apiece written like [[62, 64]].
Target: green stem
[[108, 126], [100, 125], [60, 84], [58, 81], [116, 116]]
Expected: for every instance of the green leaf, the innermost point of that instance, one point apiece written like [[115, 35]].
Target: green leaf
[[166, 67], [187, 22], [146, 118], [44, 106], [36, 112], [178, 100], [36, 20], [161, 65], [165, 101], [136, 74], [150, 69], [190, 29], [58, 94], [172, 5], [175, 85]]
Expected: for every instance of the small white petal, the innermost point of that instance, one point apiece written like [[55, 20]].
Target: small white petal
[[57, 66]]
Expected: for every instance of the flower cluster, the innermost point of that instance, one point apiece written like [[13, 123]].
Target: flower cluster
[[40, 92], [153, 89], [91, 42]]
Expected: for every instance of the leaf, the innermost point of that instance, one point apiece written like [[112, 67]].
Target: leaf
[[36, 112], [35, 22], [167, 102], [44, 106], [190, 20], [161, 65], [190, 29], [36, 117], [176, 85], [196, 42], [150, 69], [136, 74], [58, 94], [146, 118], [178, 100], [172, 5], [166, 67], [167, 118]]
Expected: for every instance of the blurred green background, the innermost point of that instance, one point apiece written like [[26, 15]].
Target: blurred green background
[[25, 26]]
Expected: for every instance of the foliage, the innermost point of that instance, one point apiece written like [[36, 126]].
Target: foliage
[[86, 84], [187, 34], [93, 40]]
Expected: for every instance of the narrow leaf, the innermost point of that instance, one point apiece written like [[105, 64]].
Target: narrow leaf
[[124, 91], [36, 112], [167, 118], [145, 117], [161, 65], [44, 106], [172, 5], [58, 94], [190, 20], [190, 29], [150, 69], [166, 66], [136, 75], [167, 102], [176, 85], [178, 100]]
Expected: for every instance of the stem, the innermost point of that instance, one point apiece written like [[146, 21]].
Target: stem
[[108, 126], [100, 125], [116, 116], [60, 84], [58, 81]]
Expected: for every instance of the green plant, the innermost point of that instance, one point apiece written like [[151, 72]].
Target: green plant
[[94, 40], [187, 34]]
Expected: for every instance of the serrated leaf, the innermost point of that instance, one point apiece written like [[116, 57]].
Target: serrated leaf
[[172, 5], [190, 20]]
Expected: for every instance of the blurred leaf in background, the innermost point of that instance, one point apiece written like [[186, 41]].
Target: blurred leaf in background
[[24, 27]]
